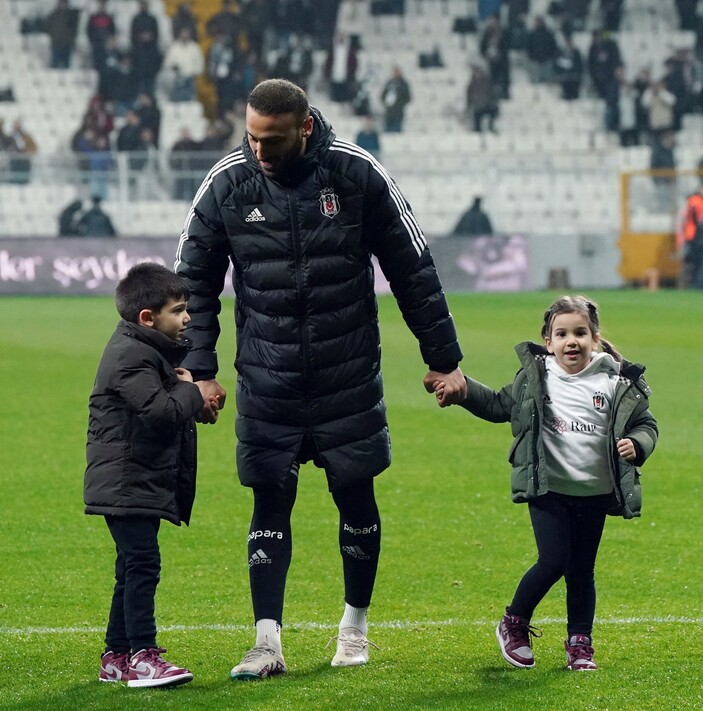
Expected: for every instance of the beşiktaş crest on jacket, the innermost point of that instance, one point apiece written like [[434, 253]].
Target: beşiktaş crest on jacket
[[308, 346]]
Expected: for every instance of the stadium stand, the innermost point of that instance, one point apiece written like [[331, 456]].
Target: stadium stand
[[551, 167]]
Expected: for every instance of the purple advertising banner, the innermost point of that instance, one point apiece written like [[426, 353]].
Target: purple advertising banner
[[71, 266]]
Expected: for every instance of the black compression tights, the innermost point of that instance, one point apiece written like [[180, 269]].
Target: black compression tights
[[270, 545]]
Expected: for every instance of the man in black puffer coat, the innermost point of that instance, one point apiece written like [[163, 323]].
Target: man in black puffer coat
[[299, 214]]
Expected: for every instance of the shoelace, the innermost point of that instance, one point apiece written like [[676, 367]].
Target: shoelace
[[355, 646], [581, 650], [521, 631], [256, 652], [153, 655]]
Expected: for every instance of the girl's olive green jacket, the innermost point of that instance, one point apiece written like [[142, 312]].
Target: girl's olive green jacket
[[521, 403]]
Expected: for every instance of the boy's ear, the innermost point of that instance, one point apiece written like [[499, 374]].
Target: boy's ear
[[146, 318], [548, 344]]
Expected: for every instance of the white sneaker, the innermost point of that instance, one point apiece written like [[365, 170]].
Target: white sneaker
[[352, 648], [258, 663]]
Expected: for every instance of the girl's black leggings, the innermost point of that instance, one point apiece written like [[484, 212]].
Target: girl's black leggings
[[568, 531]]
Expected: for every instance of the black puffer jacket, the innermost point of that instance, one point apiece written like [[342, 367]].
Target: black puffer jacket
[[308, 347], [141, 433]]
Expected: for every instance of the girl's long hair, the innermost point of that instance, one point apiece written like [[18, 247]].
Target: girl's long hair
[[581, 305]]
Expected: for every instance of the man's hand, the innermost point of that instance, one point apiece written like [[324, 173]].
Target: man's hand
[[214, 396], [449, 388]]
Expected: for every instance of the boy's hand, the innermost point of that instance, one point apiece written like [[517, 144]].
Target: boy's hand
[[184, 374], [626, 448]]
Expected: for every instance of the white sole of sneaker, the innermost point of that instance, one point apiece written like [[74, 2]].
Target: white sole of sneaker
[[171, 681], [345, 663], [507, 658]]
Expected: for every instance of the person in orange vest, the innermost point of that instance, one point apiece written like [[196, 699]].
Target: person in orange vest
[[689, 240]]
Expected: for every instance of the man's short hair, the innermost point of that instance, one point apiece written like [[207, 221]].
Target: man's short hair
[[279, 96], [148, 286]]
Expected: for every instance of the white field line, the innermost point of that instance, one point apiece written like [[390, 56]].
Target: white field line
[[392, 624]]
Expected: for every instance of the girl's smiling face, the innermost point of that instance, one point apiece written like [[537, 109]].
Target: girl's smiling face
[[571, 341]]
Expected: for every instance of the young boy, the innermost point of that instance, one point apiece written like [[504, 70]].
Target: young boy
[[141, 461]]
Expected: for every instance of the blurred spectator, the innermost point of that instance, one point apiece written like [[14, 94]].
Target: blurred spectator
[[488, 8], [577, 12], [481, 99], [98, 117], [603, 58], [678, 80], [227, 124], [368, 138], [149, 115], [117, 82], [660, 107], [21, 146], [68, 219], [640, 84], [627, 111], [663, 157], [225, 22], [144, 27], [361, 99], [146, 55], [95, 222], [185, 59], [611, 97], [494, 47], [100, 28], [541, 51], [517, 10], [255, 18], [130, 140], [246, 75], [395, 96], [215, 140], [183, 162], [94, 159], [295, 61], [341, 66], [611, 14], [221, 63], [687, 10], [474, 222], [61, 24], [184, 19], [689, 240], [568, 69]]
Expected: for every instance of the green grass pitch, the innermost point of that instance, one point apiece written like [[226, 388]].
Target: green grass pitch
[[454, 546]]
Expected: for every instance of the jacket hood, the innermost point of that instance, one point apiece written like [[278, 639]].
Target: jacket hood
[[173, 351], [320, 139]]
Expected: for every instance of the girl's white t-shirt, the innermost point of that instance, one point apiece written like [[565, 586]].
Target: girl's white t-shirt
[[577, 411]]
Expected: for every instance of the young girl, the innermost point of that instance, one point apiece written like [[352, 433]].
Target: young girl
[[582, 428]]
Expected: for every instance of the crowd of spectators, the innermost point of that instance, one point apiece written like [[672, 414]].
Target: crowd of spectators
[[249, 40], [638, 108]]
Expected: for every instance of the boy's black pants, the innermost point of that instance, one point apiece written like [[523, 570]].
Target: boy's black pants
[[568, 531], [132, 625]]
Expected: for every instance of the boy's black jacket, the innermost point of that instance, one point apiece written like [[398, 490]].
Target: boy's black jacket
[[141, 452]]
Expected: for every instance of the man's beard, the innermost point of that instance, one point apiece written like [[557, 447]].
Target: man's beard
[[282, 164]]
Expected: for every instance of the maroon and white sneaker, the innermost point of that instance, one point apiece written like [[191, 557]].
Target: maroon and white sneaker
[[579, 653], [114, 666], [513, 635], [148, 668]]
